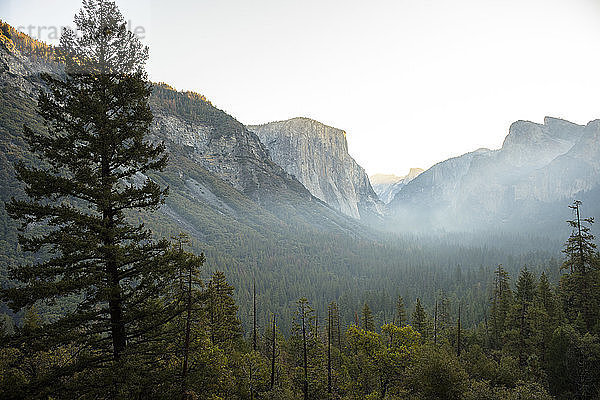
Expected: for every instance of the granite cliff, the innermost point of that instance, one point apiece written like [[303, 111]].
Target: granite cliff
[[317, 155]]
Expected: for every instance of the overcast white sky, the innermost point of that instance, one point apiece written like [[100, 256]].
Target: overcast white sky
[[412, 82]]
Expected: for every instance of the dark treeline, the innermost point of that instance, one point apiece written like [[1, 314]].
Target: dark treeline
[[352, 273]]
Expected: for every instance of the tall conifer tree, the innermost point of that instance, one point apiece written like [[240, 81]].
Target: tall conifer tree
[[581, 286], [524, 296], [501, 303], [420, 320], [223, 324], [93, 159], [400, 315], [367, 318]]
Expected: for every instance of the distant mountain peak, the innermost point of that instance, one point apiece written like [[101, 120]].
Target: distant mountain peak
[[387, 186], [534, 145], [523, 131], [307, 126], [413, 173], [384, 179]]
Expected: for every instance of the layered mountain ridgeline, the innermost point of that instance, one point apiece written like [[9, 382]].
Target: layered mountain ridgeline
[[317, 155], [526, 185], [251, 218], [191, 127], [387, 186]]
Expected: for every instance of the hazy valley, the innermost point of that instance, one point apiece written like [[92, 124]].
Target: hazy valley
[[471, 246]]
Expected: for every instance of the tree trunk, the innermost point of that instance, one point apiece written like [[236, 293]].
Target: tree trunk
[[186, 346], [115, 301], [305, 358], [329, 354], [273, 355]]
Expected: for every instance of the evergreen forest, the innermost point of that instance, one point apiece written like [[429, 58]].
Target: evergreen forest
[[104, 296]]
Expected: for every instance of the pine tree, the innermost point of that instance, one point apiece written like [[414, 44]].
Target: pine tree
[[545, 316], [501, 303], [97, 118], [420, 320], [301, 331], [336, 336], [524, 297], [545, 297], [400, 316], [580, 247], [443, 318], [273, 351], [581, 286], [444, 324], [223, 324], [367, 317], [188, 295]]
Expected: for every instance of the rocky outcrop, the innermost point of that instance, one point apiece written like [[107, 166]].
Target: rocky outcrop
[[317, 155], [220, 144], [20, 71], [537, 172], [387, 186]]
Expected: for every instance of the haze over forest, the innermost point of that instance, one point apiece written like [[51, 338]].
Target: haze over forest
[[155, 246]]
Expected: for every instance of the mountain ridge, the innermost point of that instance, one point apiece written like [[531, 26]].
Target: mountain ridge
[[537, 172]]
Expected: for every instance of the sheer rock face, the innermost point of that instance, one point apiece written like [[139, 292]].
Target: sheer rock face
[[210, 137], [317, 155], [387, 186], [538, 171], [237, 156]]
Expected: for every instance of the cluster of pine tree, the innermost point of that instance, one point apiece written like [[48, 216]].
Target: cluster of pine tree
[[531, 346]]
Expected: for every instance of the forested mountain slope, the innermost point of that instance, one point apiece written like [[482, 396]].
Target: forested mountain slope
[[225, 192]]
